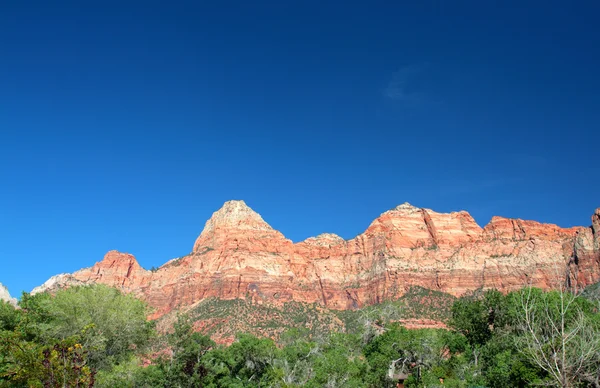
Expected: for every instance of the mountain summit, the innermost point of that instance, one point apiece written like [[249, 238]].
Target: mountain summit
[[233, 218], [235, 214]]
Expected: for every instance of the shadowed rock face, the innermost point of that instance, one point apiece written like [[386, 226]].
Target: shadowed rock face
[[238, 255], [5, 295]]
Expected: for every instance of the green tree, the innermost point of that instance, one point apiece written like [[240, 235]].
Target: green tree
[[112, 325], [184, 366], [28, 364], [399, 350], [477, 315], [252, 359], [338, 362], [560, 333]]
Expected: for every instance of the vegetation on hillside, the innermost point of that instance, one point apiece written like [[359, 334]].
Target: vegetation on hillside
[[94, 336], [223, 319]]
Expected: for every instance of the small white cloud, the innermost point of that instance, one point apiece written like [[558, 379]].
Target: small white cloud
[[400, 87]]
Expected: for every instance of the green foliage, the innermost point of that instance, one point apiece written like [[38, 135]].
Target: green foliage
[[96, 336], [474, 317], [412, 351], [63, 340], [110, 325], [233, 316], [9, 316], [339, 364], [64, 364], [592, 292], [28, 360], [416, 303], [530, 337], [184, 367]]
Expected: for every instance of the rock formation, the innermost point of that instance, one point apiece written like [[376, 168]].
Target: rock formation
[[585, 262], [238, 255], [5, 295]]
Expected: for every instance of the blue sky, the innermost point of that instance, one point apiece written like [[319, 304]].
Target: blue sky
[[125, 126]]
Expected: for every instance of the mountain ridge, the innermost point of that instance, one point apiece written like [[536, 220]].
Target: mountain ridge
[[239, 255]]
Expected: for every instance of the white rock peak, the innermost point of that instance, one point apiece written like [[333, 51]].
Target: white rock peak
[[54, 281], [5, 295], [325, 239], [405, 208], [238, 215], [331, 236]]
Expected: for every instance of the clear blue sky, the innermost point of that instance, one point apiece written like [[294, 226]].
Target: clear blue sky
[[124, 125]]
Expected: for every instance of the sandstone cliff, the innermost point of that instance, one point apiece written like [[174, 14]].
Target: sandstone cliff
[[239, 255], [5, 295], [585, 262]]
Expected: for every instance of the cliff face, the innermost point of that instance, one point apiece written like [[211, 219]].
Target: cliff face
[[585, 263], [5, 295], [238, 255]]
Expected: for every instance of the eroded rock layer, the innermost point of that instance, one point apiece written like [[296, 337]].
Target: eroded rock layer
[[239, 255]]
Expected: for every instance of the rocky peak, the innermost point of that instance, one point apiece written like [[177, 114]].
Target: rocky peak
[[117, 269], [120, 263], [5, 295], [57, 282], [330, 236], [116, 258], [235, 214], [405, 208], [233, 220], [324, 239]]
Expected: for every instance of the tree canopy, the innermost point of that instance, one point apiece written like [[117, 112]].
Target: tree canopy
[[95, 336]]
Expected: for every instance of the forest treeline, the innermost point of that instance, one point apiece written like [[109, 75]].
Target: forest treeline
[[95, 336]]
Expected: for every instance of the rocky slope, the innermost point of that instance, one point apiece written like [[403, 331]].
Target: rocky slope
[[5, 295], [239, 256]]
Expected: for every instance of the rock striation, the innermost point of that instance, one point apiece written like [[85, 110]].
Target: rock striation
[[239, 255], [5, 295]]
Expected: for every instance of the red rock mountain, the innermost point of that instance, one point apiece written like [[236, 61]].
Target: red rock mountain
[[238, 255]]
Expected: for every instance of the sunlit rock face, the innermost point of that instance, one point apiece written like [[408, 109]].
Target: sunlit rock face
[[239, 255], [585, 263], [5, 295]]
